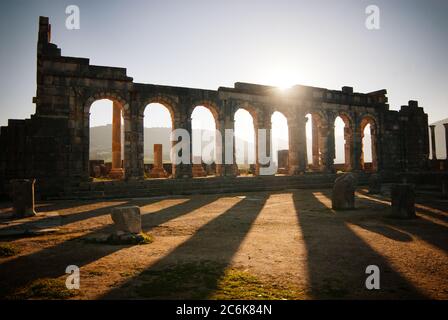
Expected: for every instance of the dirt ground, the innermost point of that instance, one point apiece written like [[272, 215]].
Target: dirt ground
[[279, 245]]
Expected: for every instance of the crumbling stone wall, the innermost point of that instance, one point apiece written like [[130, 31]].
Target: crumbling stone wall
[[53, 146]]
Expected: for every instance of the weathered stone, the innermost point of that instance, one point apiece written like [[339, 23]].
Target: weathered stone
[[343, 196], [374, 184], [157, 170], [53, 145], [127, 219], [197, 168], [403, 201], [23, 197]]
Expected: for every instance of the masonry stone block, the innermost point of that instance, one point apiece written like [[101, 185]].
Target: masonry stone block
[[343, 195], [127, 219]]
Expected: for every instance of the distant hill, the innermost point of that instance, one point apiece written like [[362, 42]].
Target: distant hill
[[101, 145]]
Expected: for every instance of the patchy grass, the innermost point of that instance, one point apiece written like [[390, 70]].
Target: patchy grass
[[95, 273], [209, 280], [44, 289], [131, 239], [8, 250]]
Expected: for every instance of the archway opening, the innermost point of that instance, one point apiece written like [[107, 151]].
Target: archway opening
[[343, 142], [244, 142], [314, 143], [106, 140], [280, 142], [157, 126], [368, 155], [309, 139], [203, 125]]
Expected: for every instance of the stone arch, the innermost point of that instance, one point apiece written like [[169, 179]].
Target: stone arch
[[249, 108], [319, 121], [198, 169], [118, 169], [167, 101], [244, 160], [210, 105], [281, 155], [348, 139], [110, 96], [170, 103], [369, 119]]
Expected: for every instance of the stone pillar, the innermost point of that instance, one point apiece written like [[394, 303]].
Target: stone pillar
[[357, 149], [117, 170], [373, 141], [446, 138], [343, 195], [433, 142], [23, 197], [328, 152], [157, 170], [297, 145], [315, 142], [197, 168], [262, 124], [183, 170], [348, 137], [227, 169]]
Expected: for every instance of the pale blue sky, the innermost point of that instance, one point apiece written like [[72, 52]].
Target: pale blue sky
[[209, 43]]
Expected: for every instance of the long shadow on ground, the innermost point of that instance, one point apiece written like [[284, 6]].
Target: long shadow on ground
[[194, 268], [52, 261], [337, 258]]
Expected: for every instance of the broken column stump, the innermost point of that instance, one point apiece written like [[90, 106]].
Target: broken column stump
[[403, 201], [127, 219], [343, 196], [374, 184], [23, 197], [157, 170], [198, 169], [128, 227]]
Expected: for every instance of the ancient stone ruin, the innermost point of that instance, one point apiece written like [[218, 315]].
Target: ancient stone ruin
[[343, 195], [53, 145], [157, 170]]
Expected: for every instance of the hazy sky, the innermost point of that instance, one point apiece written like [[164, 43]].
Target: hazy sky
[[209, 43]]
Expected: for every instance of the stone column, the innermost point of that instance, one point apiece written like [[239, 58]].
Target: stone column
[[315, 142], [328, 151], [262, 124], [373, 141], [183, 170], [297, 145], [446, 138], [357, 149], [157, 170], [117, 170], [348, 137], [433, 142]]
